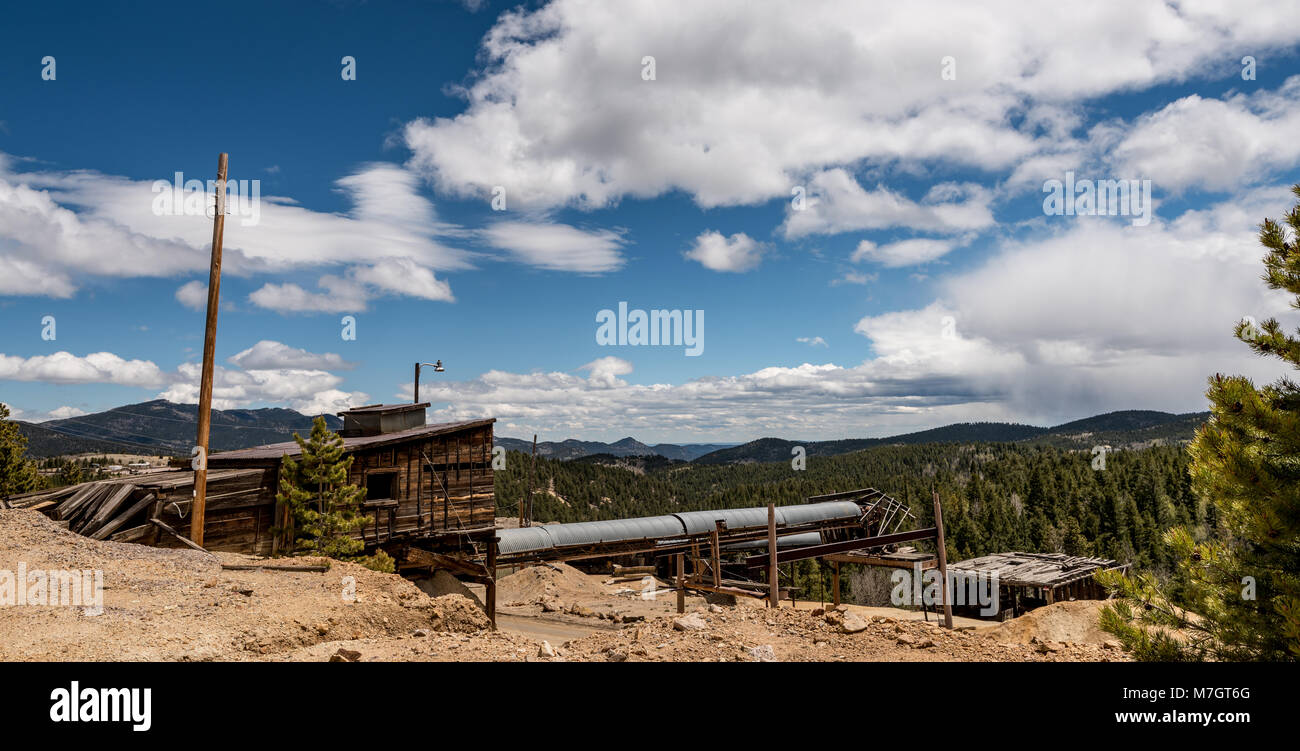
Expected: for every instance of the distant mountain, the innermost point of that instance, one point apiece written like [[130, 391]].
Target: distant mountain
[[575, 449], [43, 442], [164, 427], [1116, 429]]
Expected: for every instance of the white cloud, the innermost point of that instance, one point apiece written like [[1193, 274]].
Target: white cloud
[[65, 367], [193, 295], [814, 341], [60, 413], [270, 355], [1218, 144], [837, 203], [904, 252], [338, 296], [738, 253], [391, 239], [306, 390], [558, 247], [560, 114]]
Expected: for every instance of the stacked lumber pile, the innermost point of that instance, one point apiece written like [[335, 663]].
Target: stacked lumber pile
[[99, 509]]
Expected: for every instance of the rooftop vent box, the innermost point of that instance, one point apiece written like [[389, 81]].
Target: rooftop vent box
[[378, 419]]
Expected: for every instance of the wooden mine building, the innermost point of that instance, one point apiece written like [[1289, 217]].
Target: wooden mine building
[[427, 486]]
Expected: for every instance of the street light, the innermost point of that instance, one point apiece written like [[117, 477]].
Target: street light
[[437, 368]]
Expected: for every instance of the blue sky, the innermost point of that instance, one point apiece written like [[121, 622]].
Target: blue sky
[[919, 283]]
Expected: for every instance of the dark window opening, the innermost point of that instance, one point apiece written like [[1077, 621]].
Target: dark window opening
[[381, 485]]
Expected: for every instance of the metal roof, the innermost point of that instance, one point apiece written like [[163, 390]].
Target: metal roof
[[351, 443]]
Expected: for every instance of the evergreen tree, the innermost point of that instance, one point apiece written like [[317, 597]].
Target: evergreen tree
[[1243, 585], [17, 473], [324, 507]]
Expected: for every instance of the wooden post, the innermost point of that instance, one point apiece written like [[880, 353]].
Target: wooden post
[[681, 582], [209, 354], [943, 562], [835, 584], [773, 570], [715, 553], [492, 582]]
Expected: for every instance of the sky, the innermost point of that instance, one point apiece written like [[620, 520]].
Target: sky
[[875, 216]]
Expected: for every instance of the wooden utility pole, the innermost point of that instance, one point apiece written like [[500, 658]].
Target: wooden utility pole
[[209, 355], [943, 562], [773, 572]]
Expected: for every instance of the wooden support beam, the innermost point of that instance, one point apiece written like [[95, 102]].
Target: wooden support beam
[[943, 562], [492, 582], [681, 582], [773, 573], [167, 528], [835, 583]]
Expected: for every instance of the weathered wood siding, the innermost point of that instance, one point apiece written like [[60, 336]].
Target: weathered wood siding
[[443, 483]]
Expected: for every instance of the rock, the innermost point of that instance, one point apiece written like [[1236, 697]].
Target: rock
[[345, 655], [690, 622], [616, 655], [853, 623], [924, 644], [550, 606], [1110, 644], [818, 612], [322, 628], [906, 640], [762, 653], [546, 650], [421, 632], [715, 609]]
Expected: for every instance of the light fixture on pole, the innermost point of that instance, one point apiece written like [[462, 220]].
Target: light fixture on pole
[[437, 368]]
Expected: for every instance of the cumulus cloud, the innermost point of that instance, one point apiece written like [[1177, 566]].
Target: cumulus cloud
[[270, 355], [737, 253], [903, 253], [97, 367], [837, 203], [1217, 144], [812, 341], [306, 390], [193, 295], [561, 115]]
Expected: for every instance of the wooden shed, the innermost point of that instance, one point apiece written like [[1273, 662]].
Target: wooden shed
[[425, 484]]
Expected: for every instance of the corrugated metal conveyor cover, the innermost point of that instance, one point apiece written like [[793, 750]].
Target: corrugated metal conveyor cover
[[523, 540], [736, 518], [614, 530], [801, 540], [816, 512]]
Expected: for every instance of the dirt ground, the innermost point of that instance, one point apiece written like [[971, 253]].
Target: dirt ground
[[180, 605]]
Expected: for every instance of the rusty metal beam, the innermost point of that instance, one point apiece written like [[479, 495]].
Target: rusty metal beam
[[817, 551]]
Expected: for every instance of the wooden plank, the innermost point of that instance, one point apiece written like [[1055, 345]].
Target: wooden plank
[[123, 517], [106, 509], [167, 528]]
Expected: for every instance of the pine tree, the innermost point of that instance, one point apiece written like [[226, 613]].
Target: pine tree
[[325, 508], [17, 473], [1243, 584]]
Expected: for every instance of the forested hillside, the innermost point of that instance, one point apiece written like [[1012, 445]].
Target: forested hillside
[[997, 497]]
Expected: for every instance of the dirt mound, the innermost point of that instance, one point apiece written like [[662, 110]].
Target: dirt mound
[[458, 614], [789, 635], [167, 604], [444, 583], [1073, 621], [546, 582]]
